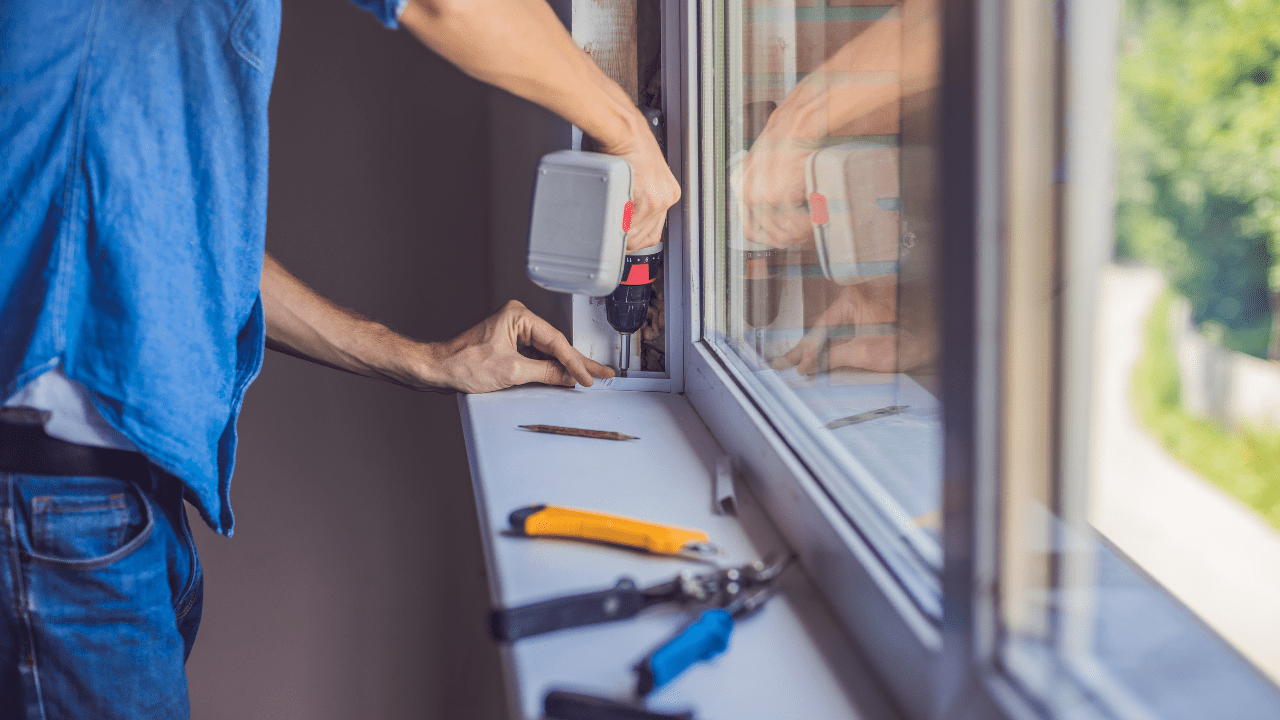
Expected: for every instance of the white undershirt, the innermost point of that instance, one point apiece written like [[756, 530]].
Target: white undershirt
[[72, 415]]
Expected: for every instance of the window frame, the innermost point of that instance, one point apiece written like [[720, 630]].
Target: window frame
[[930, 671], [874, 608]]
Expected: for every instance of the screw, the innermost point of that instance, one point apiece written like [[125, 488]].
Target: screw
[[909, 240]]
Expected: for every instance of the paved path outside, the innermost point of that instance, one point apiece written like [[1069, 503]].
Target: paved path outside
[[1207, 548]]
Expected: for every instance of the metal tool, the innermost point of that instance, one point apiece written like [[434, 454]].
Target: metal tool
[[708, 636], [719, 588], [865, 416], [614, 529]]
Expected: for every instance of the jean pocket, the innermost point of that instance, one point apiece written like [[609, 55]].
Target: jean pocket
[[89, 529]]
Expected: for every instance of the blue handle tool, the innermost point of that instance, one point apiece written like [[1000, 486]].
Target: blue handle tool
[[703, 640]]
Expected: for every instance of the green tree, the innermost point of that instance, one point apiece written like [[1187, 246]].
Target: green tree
[[1198, 163]]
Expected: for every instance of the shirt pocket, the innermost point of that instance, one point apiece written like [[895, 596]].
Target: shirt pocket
[[89, 530]]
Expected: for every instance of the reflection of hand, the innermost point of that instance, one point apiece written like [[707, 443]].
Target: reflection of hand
[[486, 358], [867, 303], [653, 187], [769, 182]]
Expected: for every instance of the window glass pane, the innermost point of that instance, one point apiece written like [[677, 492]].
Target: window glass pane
[[1140, 511], [819, 161]]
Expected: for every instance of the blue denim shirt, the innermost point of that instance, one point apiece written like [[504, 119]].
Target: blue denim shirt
[[133, 199]]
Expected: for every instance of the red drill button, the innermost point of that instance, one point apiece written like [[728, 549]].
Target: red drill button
[[626, 216], [818, 209], [639, 275]]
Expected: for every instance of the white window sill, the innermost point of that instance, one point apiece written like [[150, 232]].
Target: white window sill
[[791, 660]]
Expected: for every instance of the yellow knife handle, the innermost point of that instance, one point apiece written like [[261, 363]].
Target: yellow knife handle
[[588, 525]]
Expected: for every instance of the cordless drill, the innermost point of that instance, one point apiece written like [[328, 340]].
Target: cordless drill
[[579, 221]]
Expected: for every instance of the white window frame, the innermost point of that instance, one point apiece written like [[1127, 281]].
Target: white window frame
[[880, 617]]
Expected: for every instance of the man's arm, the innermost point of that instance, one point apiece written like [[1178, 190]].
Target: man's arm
[[521, 47], [303, 323]]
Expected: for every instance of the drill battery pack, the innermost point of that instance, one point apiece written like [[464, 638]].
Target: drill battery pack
[[579, 222]]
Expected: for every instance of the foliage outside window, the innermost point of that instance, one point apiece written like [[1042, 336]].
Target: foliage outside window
[[1199, 158]]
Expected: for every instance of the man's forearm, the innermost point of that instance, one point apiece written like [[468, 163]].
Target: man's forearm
[[305, 324], [521, 47]]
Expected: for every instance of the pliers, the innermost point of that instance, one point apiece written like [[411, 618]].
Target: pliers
[[720, 588], [708, 636]]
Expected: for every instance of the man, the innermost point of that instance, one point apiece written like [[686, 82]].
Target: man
[[135, 301]]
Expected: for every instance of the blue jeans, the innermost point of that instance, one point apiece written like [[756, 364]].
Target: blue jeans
[[100, 597]]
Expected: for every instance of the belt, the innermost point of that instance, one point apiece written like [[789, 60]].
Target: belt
[[26, 449]]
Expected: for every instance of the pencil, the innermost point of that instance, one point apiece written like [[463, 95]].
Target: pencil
[[579, 432]]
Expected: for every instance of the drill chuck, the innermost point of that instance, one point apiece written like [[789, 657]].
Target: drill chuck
[[627, 307]]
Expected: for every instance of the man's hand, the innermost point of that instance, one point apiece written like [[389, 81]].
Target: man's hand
[[653, 188], [486, 358], [520, 46], [303, 323]]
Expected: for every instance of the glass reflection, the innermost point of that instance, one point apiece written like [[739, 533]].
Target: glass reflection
[[825, 289]]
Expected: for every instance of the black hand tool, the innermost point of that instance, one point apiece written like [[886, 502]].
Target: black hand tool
[[563, 705], [624, 600]]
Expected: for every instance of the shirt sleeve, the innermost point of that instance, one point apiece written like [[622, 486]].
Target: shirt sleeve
[[387, 11]]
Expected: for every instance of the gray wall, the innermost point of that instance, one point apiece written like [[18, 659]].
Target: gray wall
[[354, 586], [520, 134]]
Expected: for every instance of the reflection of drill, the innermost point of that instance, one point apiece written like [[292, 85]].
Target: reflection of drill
[[761, 285], [628, 305]]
